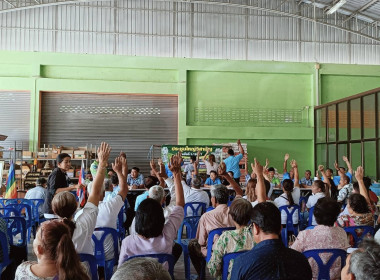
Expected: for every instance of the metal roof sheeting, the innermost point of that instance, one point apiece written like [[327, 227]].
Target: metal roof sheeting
[[226, 30]]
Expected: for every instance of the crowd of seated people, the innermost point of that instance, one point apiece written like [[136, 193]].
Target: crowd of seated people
[[255, 221]]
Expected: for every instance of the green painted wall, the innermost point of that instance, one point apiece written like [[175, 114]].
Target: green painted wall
[[199, 83]]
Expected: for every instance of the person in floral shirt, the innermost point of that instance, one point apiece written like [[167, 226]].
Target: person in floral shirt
[[232, 241], [241, 238]]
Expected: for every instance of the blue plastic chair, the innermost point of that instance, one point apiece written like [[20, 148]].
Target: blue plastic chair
[[35, 203], [324, 269], [91, 260], [120, 224], [99, 250], [303, 212], [210, 243], [4, 248], [303, 199], [310, 227], [12, 201], [191, 224], [366, 230], [210, 208], [195, 207], [226, 262], [28, 215], [16, 227], [162, 258], [9, 212], [311, 214], [289, 222], [230, 200]]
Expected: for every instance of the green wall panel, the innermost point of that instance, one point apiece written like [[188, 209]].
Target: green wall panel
[[198, 83], [109, 74], [247, 90], [340, 86]]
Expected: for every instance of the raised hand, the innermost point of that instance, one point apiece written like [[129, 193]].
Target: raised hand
[[293, 164], [359, 174], [122, 154], [153, 165], [238, 142], [257, 168], [266, 163], [286, 157], [336, 165], [162, 172], [321, 168], [345, 159], [117, 166], [104, 151], [175, 163]]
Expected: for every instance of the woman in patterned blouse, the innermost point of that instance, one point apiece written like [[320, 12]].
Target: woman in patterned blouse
[[241, 238], [359, 208]]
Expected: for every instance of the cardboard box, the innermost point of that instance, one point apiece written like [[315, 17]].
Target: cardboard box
[[56, 151], [69, 152], [79, 152], [80, 156], [44, 155], [27, 154]]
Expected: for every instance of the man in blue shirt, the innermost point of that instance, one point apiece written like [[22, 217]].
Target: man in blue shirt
[[232, 162], [270, 259], [212, 180], [307, 181]]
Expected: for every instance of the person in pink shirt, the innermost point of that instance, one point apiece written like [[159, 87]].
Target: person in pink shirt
[[323, 236], [153, 235]]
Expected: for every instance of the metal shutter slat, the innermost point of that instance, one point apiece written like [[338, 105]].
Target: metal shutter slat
[[131, 123]]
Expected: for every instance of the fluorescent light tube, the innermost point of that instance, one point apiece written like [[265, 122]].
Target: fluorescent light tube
[[336, 7]]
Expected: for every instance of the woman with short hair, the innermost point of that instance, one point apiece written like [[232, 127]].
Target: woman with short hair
[[324, 235], [154, 236]]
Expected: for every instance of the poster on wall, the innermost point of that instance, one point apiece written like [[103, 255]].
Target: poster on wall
[[167, 151]]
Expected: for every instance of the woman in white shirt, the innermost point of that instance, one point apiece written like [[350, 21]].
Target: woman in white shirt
[[318, 190], [211, 165], [290, 196]]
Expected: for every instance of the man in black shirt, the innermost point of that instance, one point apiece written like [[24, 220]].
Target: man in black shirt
[[270, 259]]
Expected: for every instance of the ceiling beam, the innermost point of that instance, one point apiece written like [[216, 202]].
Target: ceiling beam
[[9, 3], [362, 9]]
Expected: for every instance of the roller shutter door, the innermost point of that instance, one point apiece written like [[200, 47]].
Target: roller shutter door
[[131, 123], [15, 119]]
